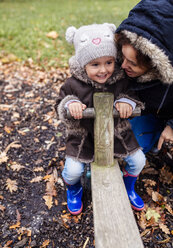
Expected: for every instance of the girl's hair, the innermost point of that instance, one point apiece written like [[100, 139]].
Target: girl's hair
[[142, 60]]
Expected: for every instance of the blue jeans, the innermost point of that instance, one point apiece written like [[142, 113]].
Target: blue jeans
[[73, 169], [147, 130]]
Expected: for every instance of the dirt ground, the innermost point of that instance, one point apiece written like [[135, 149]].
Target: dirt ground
[[33, 209]]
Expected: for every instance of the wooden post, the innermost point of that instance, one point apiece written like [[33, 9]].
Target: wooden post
[[114, 222], [103, 129]]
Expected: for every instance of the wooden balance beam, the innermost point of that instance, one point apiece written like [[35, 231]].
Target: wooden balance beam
[[114, 222]]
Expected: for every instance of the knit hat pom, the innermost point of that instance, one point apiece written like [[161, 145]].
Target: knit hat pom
[[111, 26], [70, 32]]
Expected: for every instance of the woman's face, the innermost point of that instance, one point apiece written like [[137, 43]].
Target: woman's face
[[130, 64]]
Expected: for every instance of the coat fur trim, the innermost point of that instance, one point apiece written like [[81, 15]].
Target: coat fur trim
[[163, 69], [73, 125]]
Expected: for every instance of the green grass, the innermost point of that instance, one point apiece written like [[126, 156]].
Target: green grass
[[24, 25]]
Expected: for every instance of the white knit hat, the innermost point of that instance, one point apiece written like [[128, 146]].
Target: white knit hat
[[92, 41]]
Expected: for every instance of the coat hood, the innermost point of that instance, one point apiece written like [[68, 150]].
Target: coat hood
[[149, 27], [79, 73]]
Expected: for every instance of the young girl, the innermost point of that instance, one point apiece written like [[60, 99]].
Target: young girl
[[93, 70]]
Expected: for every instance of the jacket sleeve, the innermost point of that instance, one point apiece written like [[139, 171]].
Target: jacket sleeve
[[170, 123], [129, 93], [67, 93]]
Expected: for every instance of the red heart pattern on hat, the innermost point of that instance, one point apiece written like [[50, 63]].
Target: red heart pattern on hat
[[96, 41]]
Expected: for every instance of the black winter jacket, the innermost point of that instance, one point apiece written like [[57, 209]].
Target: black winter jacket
[[149, 27]]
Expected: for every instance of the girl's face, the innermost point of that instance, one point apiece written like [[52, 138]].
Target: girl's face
[[130, 64], [99, 70]]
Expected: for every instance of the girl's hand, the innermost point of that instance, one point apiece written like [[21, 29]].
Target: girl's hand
[[166, 136], [76, 109], [125, 110]]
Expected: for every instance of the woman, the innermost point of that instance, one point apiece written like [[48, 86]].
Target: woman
[[145, 40]]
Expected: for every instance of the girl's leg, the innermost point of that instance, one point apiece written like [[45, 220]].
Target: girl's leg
[[135, 164], [72, 173]]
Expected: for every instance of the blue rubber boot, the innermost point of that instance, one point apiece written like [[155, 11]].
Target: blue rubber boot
[[135, 200], [74, 198]]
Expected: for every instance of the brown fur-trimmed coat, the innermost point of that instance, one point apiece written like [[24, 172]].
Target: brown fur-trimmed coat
[[80, 136]]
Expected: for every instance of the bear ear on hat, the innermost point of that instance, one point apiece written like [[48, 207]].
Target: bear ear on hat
[[111, 26], [69, 35]]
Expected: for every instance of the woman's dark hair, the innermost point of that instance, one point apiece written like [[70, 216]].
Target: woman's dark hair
[[143, 60]]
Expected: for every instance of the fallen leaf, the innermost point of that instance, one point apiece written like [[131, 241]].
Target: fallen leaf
[[11, 185], [158, 198], [77, 218], [14, 144], [150, 171], [9, 59], [18, 216], [7, 129], [16, 166], [29, 233], [2, 208], [23, 230], [24, 131], [145, 232], [50, 186], [151, 222], [65, 219], [152, 213], [60, 182], [55, 175], [8, 244], [36, 179], [21, 132], [16, 115], [142, 220], [44, 128], [38, 169], [164, 228], [3, 157], [149, 191], [149, 182], [47, 177], [48, 201], [5, 107], [166, 176], [53, 35], [36, 140], [164, 241], [15, 225], [45, 243], [169, 208]]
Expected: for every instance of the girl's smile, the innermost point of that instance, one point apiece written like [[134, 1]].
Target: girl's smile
[[100, 69]]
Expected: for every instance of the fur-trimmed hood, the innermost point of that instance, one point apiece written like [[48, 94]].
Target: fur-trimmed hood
[[149, 27], [79, 73]]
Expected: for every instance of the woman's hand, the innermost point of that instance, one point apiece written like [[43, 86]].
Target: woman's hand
[[125, 110], [76, 109], [166, 136]]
